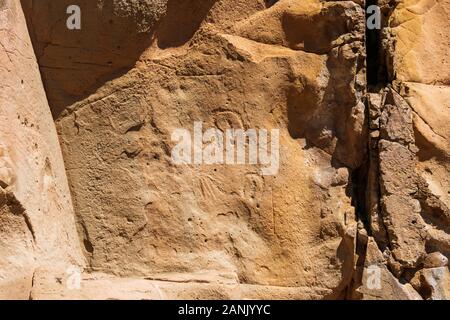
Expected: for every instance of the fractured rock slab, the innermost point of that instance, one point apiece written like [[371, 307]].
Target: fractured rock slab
[[37, 226]]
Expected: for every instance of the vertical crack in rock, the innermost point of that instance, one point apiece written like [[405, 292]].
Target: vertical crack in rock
[[379, 42], [375, 223], [372, 237], [365, 187], [376, 236], [372, 52], [33, 280], [403, 227]]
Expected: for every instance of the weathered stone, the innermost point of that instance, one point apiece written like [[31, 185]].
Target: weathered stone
[[396, 120], [142, 216], [378, 282], [421, 52], [435, 260], [358, 207], [432, 283], [36, 217], [397, 169], [437, 280]]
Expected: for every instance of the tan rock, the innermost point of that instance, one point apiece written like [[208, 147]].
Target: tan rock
[[356, 206], [140, 215], [432, 283], [420, 61], [36, 217], [431, 117], [378, 282], [101, 286], [419, 28], [398, 181], [435, 260]]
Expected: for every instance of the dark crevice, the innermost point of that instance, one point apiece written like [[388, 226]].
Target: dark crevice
[[369, 188], [376, 71], [365, 179], [88, 246], [270, 3], [136, 128], [16, 208], [29, 225], [359, 183], [182, 20], [33, 280]]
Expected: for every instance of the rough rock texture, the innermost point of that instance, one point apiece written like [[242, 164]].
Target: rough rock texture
[[140, 215], [362, 189], [389, 286], [37, 227], [409, 154], [75, 63]]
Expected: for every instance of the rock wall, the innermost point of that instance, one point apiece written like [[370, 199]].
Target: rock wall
[[408, 188], [37, 227], [362, 186]]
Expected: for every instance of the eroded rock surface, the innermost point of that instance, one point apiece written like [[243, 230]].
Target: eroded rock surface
[[409, 160], [140, 215], [37, 228], [358, 207]]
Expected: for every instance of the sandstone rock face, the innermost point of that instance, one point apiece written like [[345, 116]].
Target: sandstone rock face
[[355, 205], [140, 215], [418, 27], [409, 153], [115, 34], [37, 227]]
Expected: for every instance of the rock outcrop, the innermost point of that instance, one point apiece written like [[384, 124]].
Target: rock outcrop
[[37, 226], [356, 207], [408, 214]]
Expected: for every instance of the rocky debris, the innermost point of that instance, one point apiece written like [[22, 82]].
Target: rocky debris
[[407, 206], [414, 200], [377, 281], [398, 182], [375, 222], [432, 283]]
